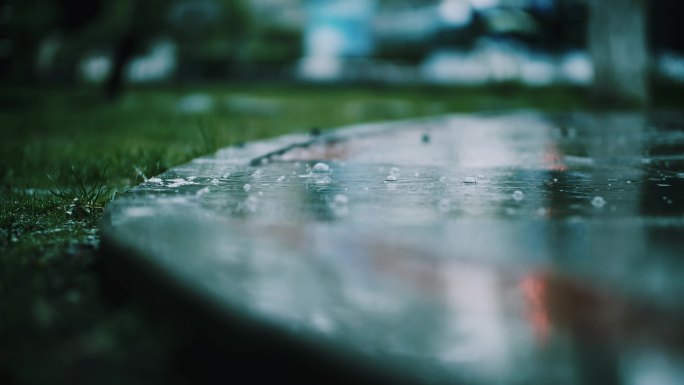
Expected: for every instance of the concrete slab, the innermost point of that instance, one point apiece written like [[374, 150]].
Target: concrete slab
[[495, 248]]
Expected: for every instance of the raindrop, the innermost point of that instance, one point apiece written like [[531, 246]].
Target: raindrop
[[258, 173], [247, 187], [417, 174], [469, 180], [555, 180], [425, 138], [280, 178], [390, 178], [321, 168], [226, 175], [598, 202], [443, 179], [214, 181], [518, 195], [629, 182], [261, 193]]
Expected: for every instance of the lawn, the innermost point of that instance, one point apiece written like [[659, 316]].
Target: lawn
[[65, 153]]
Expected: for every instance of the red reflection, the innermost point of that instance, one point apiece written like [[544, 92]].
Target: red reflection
[[572, 306], [534, 289], [553, 159]]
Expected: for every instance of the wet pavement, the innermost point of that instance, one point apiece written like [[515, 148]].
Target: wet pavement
[[497, 248]]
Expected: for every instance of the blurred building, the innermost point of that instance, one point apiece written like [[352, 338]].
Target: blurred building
[[437, 41], [473, 42]]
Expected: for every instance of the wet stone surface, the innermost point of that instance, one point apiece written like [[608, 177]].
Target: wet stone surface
[[505, 248]]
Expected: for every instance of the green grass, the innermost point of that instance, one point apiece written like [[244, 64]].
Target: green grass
[[65, 153]]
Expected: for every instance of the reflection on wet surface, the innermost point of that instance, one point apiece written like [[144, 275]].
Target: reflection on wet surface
[[508, 249]]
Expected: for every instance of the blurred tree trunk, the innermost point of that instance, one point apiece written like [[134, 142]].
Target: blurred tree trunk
[[617, 42], [123, 53]]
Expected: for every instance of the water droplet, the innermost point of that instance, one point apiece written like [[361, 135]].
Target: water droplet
[[469, 180], [518, 195], [320, 168], [542, 211], [226, 175], [247, 187], [339, 205], [443, 179], [417, 174], [261, 193], [250, 204], [280, 178], [214, 181], [555, 180], [390, 178], [178, 182], [443, 206], [629, 182], [598, 202], [341, 199], [257, 174]]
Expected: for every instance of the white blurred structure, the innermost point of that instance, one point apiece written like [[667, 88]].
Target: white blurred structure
[[158, 64], [336, 29], [495, 62], [670, 65]]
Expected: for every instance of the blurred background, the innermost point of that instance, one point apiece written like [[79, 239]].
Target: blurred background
[[457, 42]]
